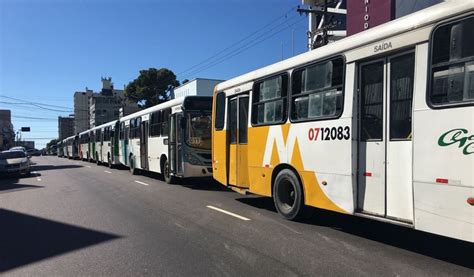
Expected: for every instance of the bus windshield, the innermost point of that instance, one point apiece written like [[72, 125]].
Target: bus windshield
[[198, 130]]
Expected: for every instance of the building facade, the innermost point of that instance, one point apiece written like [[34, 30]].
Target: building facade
[[198, 86], [95, 108], [7, 135], [65, 127], [349, 17], [366, 14], [81, 110]]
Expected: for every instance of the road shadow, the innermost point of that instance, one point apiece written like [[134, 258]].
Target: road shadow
[[208, 184], [25, 239], [438, 247], [54, 167], [12, 187]]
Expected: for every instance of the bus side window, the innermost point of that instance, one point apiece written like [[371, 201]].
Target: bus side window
[[269, 101], [318, 91], [155, 124], [220, 111], [164, 122], [452, 68]]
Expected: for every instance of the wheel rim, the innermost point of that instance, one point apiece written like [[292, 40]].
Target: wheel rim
[[167, 171], [287, 195]]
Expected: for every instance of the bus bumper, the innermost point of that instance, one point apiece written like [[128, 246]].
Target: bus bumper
[[191, 170]]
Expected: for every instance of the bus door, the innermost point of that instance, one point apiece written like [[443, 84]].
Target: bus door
[[102, 134], [126, 135], [144, 145], [175, 144], [237, 143], [385, 137]]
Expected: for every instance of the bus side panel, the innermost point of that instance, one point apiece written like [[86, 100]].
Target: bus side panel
[[444, 174], [260, 174], [219, 156], [156, 148], [135, 150], [443, 165]]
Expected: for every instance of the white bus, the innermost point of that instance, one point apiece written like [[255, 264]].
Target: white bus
[[104, 143], [379, 125], [85, 146], [173, 138], [60, 149], [70, 146]]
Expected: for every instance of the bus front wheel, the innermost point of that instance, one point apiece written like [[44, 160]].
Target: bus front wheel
[[288, 195], [170, 179]]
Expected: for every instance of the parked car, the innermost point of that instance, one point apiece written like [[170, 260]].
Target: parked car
[[18, 148], [14, 162], [33, 152]]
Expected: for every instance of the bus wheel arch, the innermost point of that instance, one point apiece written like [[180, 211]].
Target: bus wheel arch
[[288, 193]]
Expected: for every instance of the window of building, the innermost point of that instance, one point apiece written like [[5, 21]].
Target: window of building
[[452, 68], [318, 91], [269, 101]]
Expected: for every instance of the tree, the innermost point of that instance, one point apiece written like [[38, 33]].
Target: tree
[[151, 87]]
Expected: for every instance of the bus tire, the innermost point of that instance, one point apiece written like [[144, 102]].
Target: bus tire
[[132, 168], [288, 195], [169, 179], [97, 158], [109, 161]]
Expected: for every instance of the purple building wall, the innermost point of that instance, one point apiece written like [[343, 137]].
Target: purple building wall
[[366, 14]]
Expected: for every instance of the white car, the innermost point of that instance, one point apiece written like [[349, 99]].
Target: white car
[[18, 148], [14, 162]]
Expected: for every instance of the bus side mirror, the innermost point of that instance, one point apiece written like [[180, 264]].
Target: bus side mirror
[[182, 123]]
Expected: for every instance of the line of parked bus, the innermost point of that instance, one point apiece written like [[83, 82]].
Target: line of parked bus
[[173, 139], [378, 125]]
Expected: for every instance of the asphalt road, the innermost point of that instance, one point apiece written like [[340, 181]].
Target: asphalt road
[[77, 218]]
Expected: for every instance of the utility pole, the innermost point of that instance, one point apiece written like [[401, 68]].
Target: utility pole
[[322, 21]]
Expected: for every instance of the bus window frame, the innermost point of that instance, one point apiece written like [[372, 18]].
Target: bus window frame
[[252, 104], [155, 122], [292, 95], [429, 79], [224, 111]]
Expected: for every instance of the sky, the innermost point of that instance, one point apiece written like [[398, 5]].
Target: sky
[[51, 48]]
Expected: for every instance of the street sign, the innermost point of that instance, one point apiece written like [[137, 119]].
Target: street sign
[[25, 129]]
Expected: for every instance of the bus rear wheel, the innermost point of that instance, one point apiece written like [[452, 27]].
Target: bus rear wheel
[[288, 195], [133, 170], [109, 161]]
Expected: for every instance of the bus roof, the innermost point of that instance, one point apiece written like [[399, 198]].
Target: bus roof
[[416, 20], [167, 104], [111, 123]]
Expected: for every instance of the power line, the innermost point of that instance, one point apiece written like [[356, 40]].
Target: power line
[[239, 42], [37, 106], [241, 49], [36, 103]]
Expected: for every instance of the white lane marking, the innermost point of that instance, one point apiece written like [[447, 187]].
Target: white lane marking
[[88, 166], [228, 213], [107, 172], [141, 183], [38, 179]]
